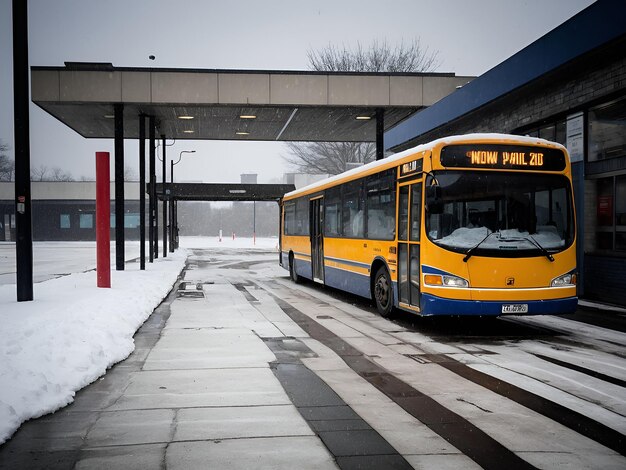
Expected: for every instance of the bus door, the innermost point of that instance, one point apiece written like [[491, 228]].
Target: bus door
[[317, 241], [409, 223]]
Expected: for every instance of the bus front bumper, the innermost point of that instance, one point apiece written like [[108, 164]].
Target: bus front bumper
[[433, 305]]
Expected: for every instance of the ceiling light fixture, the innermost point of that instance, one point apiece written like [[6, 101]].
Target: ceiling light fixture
[[363, 118], [109, 116], [185, 117], [247, 116], [188, 131], [242, 133]]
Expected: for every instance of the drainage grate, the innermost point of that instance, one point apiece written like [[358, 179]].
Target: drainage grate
[[190, 289]]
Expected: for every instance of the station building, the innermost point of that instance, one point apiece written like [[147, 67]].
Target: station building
[[570, 87], [65, 211]]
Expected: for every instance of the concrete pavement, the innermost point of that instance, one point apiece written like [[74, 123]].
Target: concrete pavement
[[203, 390], [240, 368]]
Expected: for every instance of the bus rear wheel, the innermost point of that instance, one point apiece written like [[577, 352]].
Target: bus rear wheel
[[292, 270], [383, 292]]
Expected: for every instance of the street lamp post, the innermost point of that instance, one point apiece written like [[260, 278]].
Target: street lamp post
[[173, 214]]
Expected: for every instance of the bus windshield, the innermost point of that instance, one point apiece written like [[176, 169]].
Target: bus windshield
[[502, 214]]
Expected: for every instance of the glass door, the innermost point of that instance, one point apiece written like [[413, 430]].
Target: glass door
[[317, 241], [409, 224]]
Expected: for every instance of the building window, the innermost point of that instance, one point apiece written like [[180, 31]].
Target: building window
[[609, 226], [131, 220], [554, 132], [607, 130], [64, 221], [85, 221], [604, 214]]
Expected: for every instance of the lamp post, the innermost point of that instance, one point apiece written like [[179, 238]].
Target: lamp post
[[173, 214]]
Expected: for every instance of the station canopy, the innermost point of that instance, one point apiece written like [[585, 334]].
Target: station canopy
[[235, 104]]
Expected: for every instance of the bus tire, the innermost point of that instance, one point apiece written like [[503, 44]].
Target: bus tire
[[292, 270], [383, 292]]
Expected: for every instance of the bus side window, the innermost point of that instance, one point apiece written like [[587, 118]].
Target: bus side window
[[290, 218], [381, 205], [352, 208]]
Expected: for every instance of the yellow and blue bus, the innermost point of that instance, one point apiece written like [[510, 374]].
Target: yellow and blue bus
[[481, 224]]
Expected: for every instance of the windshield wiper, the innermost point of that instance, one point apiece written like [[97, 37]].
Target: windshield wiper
[[543, 251], [468, 253]]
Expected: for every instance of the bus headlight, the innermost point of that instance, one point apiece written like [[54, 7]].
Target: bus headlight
[[568, 279], [445, 280]]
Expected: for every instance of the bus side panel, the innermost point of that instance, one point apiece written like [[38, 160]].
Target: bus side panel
[[347, 265], [300, 246], [346, 280]]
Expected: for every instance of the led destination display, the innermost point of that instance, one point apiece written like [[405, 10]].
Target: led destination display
[[502, 157]]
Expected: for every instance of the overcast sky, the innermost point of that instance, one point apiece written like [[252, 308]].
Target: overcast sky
[[470, 36]]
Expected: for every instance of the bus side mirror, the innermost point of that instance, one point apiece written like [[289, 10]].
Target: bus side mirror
[[434, 201]]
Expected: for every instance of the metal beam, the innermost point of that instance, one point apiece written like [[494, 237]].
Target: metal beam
[[142, 192], [380, 132], [225, 192], [119, 187], [151, 198], [23, 216], [171, 204], [164, 200]]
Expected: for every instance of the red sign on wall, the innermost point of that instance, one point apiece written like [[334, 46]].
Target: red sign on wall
[[605, 210]]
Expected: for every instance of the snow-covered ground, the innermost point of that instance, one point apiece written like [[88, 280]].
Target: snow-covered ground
[[229, 242], [73, 331]]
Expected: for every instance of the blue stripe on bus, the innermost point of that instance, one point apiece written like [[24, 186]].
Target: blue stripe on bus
[[430, 270], [348, 281], [433, 305], [348, 262]]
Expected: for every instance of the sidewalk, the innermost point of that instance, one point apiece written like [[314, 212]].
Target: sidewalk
[[215, 381]]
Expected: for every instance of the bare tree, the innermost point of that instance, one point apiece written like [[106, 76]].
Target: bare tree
[[59, 175], [43, 173], [7, 165], [40, 173], [328, 157], [380, 56]]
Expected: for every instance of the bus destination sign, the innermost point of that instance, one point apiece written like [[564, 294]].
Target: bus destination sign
[[503, 157], [408, 168]]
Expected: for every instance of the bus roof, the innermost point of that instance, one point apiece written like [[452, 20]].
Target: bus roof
[[395, 159]]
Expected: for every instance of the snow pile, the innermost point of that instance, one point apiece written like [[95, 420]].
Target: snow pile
[[71, 333]]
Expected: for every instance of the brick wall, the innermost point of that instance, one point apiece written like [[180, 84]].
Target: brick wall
[[558, 94]]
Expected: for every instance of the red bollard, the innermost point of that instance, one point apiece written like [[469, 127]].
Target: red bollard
[[103, 220]]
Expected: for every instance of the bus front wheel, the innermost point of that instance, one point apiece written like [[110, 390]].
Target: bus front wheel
[[383, 292]]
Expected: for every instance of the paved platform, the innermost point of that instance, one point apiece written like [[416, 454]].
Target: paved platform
[[215, 381], [238, 368]]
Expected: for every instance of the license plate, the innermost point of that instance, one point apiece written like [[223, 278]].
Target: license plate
[[515, 308]]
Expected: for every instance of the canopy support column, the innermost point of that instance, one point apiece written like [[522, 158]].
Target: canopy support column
[[380, 131], [21, 103], [142, 192], [119, 187], [164, 200], [152, 189]]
